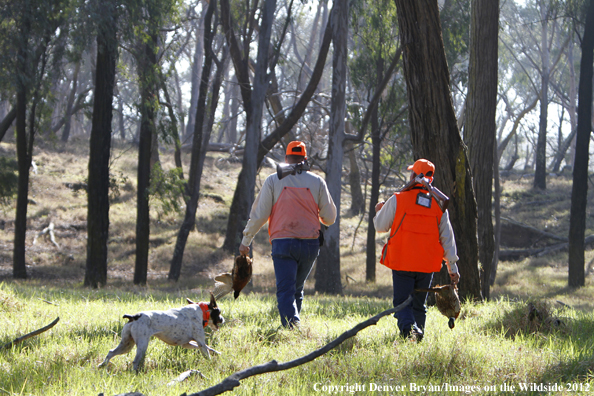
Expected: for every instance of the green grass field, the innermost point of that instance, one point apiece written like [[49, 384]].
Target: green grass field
[[493, 345]]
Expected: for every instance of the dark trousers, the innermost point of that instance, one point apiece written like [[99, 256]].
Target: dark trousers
[[414, 314], [293, 260]]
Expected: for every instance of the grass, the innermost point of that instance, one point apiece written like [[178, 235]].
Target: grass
[[494, 344]]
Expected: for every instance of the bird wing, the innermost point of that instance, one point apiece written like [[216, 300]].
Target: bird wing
[[223, 285]]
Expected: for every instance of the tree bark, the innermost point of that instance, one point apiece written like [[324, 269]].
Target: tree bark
[[434, 129], [579, 192], [100, 146], [480, 127], [357, 199], [328, 279]]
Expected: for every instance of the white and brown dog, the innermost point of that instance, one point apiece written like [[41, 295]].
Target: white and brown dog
[[177, 326]]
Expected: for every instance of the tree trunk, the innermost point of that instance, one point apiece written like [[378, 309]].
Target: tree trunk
[[480, 126], [197, 151], [371, 258], [540, 173], [579, 192], [99, 153], [434, 129], [357, 199], [70, 104], [147, 63], [327, 275], [196, 69], [19, 269]]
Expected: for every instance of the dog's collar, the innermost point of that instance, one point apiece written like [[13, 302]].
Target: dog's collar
[[205, 313]]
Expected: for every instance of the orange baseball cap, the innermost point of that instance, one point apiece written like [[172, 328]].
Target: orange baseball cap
[[297, 148], [423, 166]]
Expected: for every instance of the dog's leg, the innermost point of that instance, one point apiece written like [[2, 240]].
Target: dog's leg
[[205, 349], [125, 346], [141, 347]]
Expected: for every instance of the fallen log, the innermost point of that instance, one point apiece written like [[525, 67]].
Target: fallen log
[[536, 230], [232, 381], [515, 254], [31, 334]]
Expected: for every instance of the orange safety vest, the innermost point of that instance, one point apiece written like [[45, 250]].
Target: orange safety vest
[[414, 241], [294, 215]]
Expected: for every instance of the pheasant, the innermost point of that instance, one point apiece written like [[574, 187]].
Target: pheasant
[[446, 301], [235, 280]]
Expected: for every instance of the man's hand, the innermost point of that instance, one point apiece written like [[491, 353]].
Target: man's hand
[[379, 206], [455, 277], [244, 250]]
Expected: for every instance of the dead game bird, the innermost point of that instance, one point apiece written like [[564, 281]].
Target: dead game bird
[[446, 301], [236, 279]]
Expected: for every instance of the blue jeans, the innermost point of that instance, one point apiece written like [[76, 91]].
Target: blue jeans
[[293, 260], [413, 315]]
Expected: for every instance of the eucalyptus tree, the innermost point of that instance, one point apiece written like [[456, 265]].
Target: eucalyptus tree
[[253, 96], [199, 143], [328, 279], [148, 19], [479, 125], [434, 128], [579, 192], [376, 52], [33, 39], [105, 14]]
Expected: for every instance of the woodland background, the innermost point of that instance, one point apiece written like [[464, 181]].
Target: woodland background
[[123, 120]]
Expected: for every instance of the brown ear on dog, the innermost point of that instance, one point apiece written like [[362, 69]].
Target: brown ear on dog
[[213, 302], [190, 301]]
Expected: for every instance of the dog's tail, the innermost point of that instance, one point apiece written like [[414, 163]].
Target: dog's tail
[[132, 318]]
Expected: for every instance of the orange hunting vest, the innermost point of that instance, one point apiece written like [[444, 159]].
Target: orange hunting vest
[[414, 236], [294, 215]]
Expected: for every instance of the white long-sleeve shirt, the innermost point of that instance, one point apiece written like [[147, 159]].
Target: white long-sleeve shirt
[[385, 217], [271, 190]]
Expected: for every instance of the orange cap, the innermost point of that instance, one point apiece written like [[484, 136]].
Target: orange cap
[[296, 148], [423, 166]]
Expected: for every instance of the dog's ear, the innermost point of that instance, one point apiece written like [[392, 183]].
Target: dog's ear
[[213, 302], [190, 301]]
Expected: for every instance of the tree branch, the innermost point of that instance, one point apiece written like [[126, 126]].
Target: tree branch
[[31, 334], [233, 380]]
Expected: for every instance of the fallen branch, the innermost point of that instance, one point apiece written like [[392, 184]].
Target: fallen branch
[[233, 380], [538, 252], [536, 230], [47, 230], [31, 334]]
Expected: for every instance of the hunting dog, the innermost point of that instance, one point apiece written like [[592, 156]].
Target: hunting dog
[[177, 326]]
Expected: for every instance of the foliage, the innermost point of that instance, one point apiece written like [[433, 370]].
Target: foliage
[[8, 179], [167, 188]]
